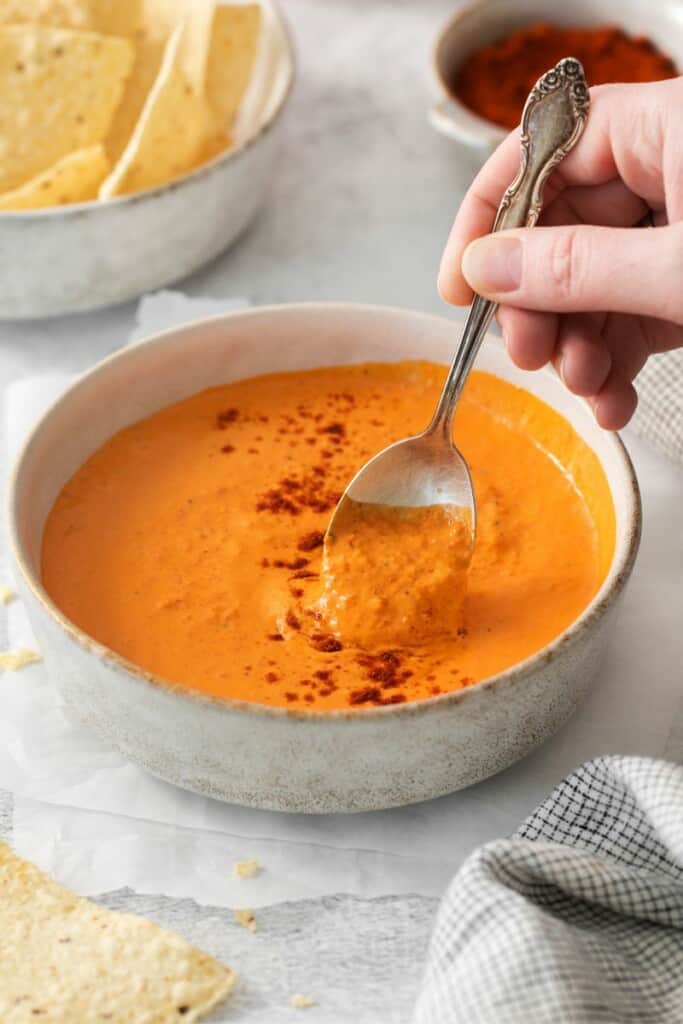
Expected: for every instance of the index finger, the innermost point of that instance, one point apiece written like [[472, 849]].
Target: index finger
[[475, 217]]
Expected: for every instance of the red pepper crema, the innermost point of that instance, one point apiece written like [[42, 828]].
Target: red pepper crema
[[191, 542]]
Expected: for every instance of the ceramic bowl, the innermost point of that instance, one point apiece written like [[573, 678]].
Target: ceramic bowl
[[298, 760], [72, 258], [479, 23]]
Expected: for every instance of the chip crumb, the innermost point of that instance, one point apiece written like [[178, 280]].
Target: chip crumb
[[6, 594], [13, 660], [300, 1001], [246, 868], [246, 918]]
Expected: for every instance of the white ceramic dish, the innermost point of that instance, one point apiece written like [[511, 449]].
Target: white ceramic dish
[[73, 258], [279, 758], [483, 21]]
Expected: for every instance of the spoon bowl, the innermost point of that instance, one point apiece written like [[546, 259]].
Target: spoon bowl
[[419, 471]]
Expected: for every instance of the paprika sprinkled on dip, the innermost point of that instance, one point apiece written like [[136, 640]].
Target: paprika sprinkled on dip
[[191, 542], [496, 79]]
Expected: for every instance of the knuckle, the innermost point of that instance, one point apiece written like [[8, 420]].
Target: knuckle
[[566, 264]]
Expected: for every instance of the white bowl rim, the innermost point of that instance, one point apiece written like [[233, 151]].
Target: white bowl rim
[[203, 170], [601, 602], [471, 121]]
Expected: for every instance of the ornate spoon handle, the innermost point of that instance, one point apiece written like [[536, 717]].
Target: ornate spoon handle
[[553, 118]]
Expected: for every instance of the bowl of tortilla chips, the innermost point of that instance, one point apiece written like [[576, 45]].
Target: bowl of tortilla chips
[[137, 140]]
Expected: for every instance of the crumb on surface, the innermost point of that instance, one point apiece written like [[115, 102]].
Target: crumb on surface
[[300, 1001], [246, 919], [6, 594], [13, 660], [246, 868]]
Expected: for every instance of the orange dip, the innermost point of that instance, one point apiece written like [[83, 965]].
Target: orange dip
[[398, 573], [191, 542]]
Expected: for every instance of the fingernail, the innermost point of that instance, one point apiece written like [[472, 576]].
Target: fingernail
[[493, 265]]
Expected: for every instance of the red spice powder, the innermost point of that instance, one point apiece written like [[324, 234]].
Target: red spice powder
[[292, 495], [292, 620], [226, 417], [335, 429], [325, 643], [395, 698], [495, 80], [293, 564], [373, 695], [311, 541], [366, 695]]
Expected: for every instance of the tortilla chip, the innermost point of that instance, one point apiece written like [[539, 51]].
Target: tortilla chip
[[11, 661], [113, 17], [58, 92], [66, 959], [171, 134], [216, 57], [246, 868], [149, 53], [158, 20], [73, 179], [245, 918], [163, 16], [197, 42], [234, 43], [218, 49], [301, 1001]]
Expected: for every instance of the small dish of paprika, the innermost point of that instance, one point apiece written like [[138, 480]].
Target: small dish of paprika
[[491, 52]]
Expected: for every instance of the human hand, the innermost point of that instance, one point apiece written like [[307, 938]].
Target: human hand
[[590, 289]]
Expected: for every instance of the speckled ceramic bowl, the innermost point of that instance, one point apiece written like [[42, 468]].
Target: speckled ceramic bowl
[[298, 760], [480, 22], [66, 259]]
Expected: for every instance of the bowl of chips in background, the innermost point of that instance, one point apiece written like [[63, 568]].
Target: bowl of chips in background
[[137, 140]]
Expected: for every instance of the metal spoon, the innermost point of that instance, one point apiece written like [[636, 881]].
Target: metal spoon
[[428, 469]]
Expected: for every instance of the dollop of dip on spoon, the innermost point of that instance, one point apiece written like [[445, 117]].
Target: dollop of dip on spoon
[[396, 573], [400, 541]]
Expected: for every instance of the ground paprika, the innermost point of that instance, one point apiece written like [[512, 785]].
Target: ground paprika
[[495, 80]]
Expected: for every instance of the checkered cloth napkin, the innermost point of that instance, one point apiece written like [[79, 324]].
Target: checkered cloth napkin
[[659, 418], [578, 918]]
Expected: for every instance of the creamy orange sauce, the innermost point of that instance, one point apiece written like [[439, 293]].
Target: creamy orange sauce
[[398, 573], [191, 542]]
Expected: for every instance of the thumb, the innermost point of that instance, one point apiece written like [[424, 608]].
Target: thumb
[[581, 268]]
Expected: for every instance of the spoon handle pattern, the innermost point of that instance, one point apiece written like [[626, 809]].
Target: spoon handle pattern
[[553, 119]]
